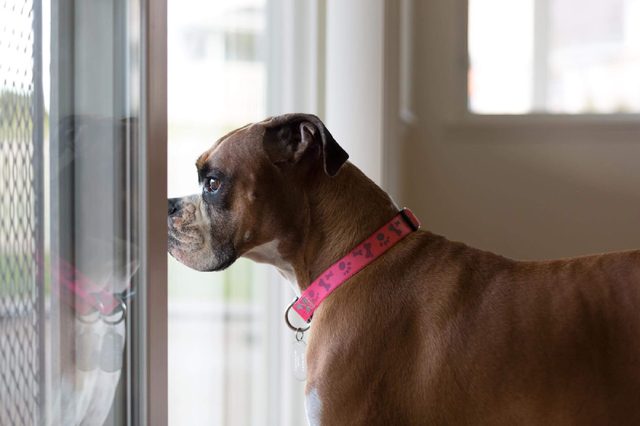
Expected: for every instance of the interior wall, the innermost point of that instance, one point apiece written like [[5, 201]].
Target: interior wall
[[528, 197], [354, 80]]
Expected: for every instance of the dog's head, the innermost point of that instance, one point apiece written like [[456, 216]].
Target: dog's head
[[254, 182]]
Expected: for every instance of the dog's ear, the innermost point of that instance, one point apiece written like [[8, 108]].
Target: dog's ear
[[290, 137]]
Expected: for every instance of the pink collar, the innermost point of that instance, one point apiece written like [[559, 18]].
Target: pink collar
[[362, 255]]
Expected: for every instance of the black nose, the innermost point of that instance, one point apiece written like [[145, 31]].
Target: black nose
[[173, 205]]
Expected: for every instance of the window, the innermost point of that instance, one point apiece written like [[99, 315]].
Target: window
[[241, 46], [554, 56], [228, 355]]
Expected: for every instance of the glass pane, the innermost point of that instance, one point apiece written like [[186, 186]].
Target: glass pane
[[69, 81], [554, 56], [217, 342]]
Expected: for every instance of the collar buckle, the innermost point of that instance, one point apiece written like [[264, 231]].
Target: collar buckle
[[410, 218]]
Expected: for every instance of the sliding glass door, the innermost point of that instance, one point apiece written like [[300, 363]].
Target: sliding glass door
[[76, 206]]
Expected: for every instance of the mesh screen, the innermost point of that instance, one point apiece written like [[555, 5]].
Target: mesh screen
[[20, 259]]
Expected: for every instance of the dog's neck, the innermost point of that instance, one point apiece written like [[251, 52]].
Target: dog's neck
[[343, 210]]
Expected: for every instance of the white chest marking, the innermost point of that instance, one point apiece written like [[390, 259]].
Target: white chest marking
[[269, 253], [313, 406]]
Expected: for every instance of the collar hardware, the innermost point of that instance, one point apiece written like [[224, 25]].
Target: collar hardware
[[291, 326], [378, 243]]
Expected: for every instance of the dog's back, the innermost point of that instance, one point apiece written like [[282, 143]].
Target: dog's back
[[510, 342]]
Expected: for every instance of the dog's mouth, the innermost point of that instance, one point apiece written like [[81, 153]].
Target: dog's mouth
[[185, 231], [173, 243], [190, 247], [226, 262], [187, 237], [202, 260], [193, 240]]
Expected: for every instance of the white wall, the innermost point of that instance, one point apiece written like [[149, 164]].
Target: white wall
[[534, 193], [354, 80]]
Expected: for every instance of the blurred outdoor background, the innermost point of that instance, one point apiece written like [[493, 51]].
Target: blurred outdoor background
[[218, 360]]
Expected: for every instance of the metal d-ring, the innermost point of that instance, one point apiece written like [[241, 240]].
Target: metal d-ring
[[121, 308], [286, 320]]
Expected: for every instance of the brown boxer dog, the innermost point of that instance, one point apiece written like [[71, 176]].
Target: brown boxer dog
[[433, 332]]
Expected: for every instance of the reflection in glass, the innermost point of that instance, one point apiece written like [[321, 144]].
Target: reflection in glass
[[69, 76]]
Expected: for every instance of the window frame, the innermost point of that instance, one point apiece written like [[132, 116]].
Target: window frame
[[150, 342], [460, 123]]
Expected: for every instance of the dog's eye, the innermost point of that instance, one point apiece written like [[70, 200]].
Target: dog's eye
[[212, 185]]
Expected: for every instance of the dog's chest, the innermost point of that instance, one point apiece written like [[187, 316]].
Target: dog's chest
[[313, 406]]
